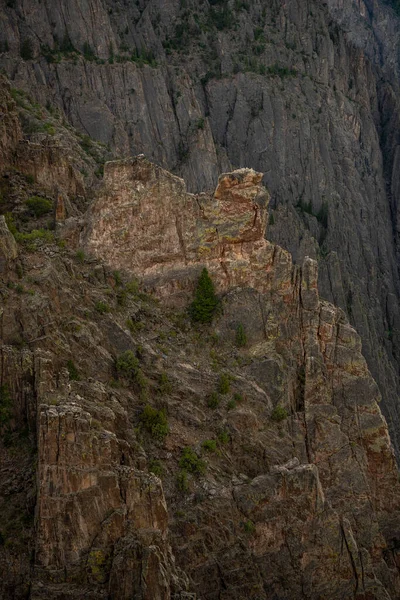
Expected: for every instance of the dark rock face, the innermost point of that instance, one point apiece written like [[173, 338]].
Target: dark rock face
[[298, 492]]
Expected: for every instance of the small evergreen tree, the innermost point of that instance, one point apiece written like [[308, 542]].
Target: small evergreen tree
[[241, 338], [205, 302]]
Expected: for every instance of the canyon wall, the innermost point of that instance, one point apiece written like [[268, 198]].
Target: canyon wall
[[304, 92]]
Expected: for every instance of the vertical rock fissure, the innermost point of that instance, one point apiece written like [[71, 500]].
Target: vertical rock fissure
[[353, 565]]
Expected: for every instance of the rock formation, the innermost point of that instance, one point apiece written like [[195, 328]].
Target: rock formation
[[291, 489], [306, 93]]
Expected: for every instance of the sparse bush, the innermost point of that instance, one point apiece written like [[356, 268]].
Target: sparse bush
[[80, 256], [134, 326], [210, 445], [155, 422], [191, 463], [200, 123], [132, 287], [155, 467], [73, 371], [182, 481], [241, 338], [224, 383], [121, 297], [117, 278], [36, 234], [205, 304], [213, 401], [39, 206], [164, 386], [102, 307], [231, 405], [249, 527], [127, 365], [279, 413], [223, 437]]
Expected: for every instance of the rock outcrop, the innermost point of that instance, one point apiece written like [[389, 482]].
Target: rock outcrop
[[327, 527]]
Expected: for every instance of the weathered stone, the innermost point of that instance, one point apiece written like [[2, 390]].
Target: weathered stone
[[8, 246]]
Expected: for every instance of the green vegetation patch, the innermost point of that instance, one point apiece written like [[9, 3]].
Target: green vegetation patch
[[279, 413], [73, 371], [241, 338], [155, 422], [39, 206], [191, 463], [205, 303]]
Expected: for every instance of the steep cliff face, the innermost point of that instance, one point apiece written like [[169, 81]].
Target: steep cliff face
[[260, 471], [304, 92]]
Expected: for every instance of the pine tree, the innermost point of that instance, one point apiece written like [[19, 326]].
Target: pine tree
[[241, 338], [205, 302]]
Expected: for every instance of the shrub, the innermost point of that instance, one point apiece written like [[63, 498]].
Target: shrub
[[164, 386], [102, 307], [224, 383], [155, 467], [80, 256], [182, 481], [279, 413], [132, 287], [191, 463], [223, 437], [121, 296], [210, 445], [241, 338], [127, 365], [134, 326], [73, 371], [36, 234], [117, 278], [231, 405], [213, 400], [249, 527], [39, 206], [205, 304], [200, 123], [155, 422], [238, 397]]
